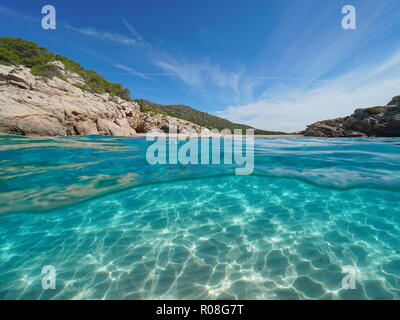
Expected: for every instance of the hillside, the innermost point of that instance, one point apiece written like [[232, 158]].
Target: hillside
[[43, 93], [46, 94], [198, 117], [19, 52], [36, 106]]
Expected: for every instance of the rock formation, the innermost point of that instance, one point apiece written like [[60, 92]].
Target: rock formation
[[32, 105], [370, 122]]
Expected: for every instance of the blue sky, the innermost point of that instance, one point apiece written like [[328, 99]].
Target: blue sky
[[273, 64]]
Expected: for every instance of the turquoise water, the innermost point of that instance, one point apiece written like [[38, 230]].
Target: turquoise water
[[115, 227]]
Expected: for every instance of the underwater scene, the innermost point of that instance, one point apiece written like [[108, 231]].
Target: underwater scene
[[113, 226]]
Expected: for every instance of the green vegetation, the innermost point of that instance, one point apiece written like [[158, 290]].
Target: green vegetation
[[7, 57], [16, 51], [149, 108], [200, 118], [375, 110], [46, 70]]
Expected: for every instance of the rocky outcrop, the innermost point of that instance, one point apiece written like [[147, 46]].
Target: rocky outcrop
[[370, 122], [395, 101], [31, 105], [157, 122]]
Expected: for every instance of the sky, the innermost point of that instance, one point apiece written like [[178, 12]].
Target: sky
[[273, 64]]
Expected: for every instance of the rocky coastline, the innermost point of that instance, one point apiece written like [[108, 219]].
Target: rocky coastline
[[36, 106], [380, 121]]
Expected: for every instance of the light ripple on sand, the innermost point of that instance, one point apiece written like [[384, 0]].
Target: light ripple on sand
[[221, 240]]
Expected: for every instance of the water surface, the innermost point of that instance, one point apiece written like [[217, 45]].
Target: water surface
[[115, 227]]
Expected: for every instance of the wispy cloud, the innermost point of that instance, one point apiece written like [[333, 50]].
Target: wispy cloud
[[292, 109], [11, 12], [200, 75], [133, 31], [105, 35], [131, 71], [135, 40], [88, 31], [289, 82]]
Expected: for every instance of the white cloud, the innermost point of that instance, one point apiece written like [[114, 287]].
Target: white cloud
[[105, 35], [10, 12], [131, 71], [208, 80], [199, 75], [133, 31], [294, 109]]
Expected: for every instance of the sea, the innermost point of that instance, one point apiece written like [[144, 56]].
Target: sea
[[90, 218]]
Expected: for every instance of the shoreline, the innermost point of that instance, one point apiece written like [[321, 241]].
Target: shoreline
[[185, 136], [140, 135], [180, 136]]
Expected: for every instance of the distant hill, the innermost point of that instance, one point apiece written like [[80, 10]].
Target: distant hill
[[198, 117]]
